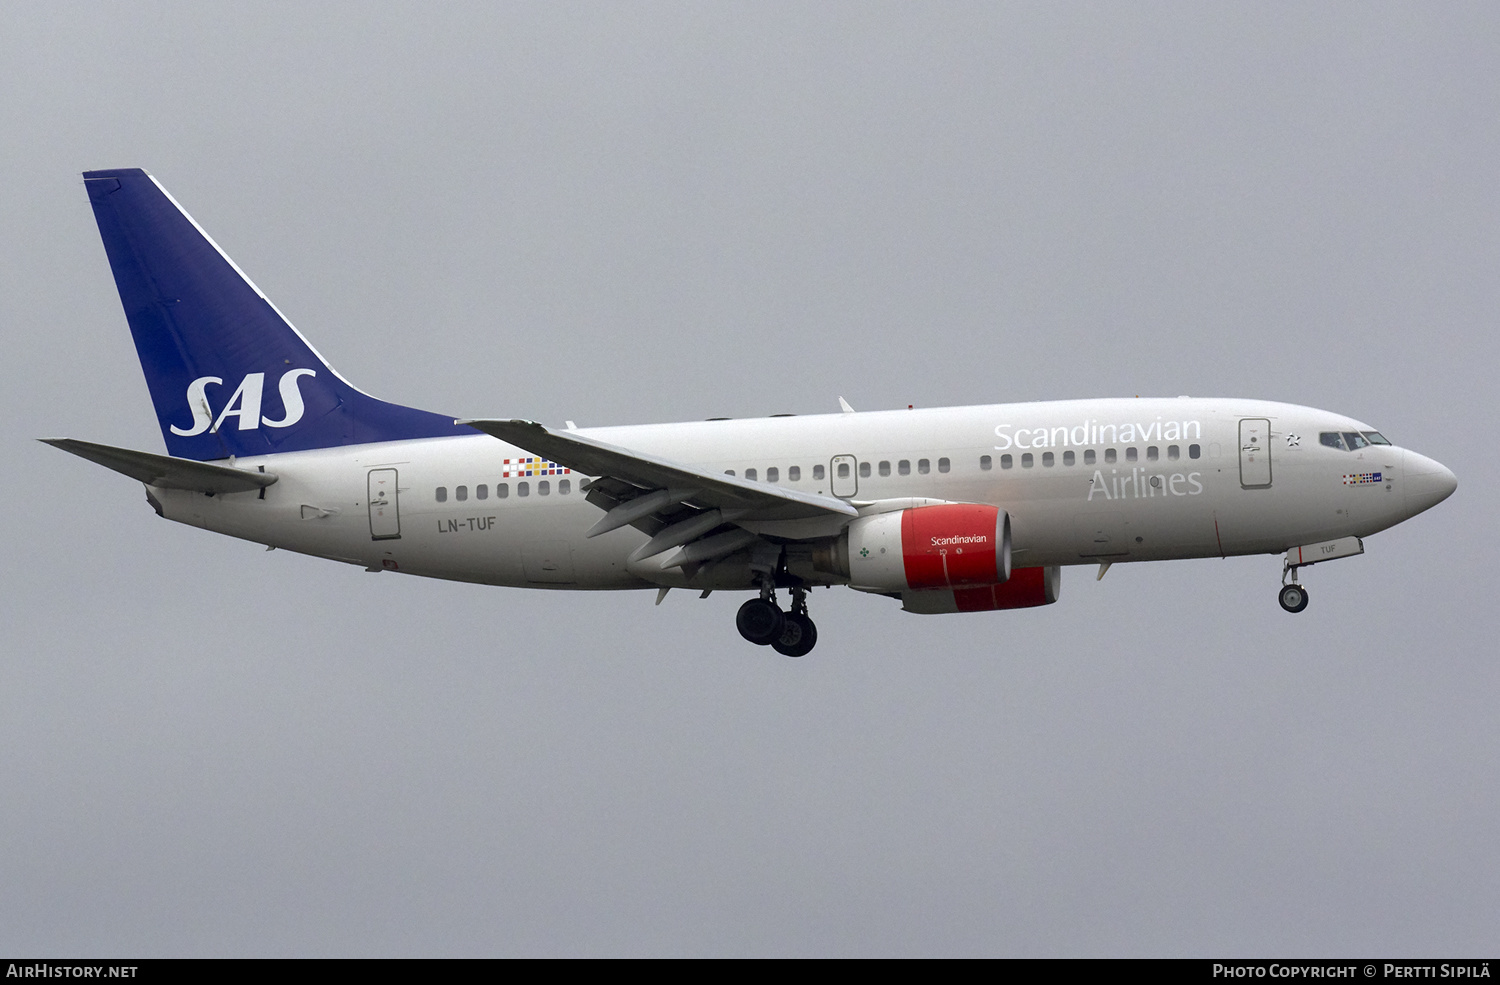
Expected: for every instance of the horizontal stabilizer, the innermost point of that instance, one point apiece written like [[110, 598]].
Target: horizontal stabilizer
[[166, 472]]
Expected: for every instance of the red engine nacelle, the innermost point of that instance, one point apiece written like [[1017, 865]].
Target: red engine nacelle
[[952, 546]]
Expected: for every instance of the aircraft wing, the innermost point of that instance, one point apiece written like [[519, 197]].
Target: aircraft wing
[[749, 500], [164, 471], [704, 514]]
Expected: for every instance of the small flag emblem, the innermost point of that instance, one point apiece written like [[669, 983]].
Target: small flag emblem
[[522, 468]]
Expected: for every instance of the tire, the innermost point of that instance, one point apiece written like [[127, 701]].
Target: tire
[[798, 638], [1293, 598], [760, 622]]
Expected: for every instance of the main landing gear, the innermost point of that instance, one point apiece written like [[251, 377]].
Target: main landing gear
[[763, 623]]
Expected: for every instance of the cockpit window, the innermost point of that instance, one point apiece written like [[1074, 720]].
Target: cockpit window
[[1351, 440]]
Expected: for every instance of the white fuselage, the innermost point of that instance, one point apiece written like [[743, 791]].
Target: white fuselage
[[1083, 481]]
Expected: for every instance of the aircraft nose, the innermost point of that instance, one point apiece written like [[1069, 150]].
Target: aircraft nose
[[1428, 483]]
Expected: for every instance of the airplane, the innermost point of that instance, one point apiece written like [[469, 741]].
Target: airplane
[[964, 509]]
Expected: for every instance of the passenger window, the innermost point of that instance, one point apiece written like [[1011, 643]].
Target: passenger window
[[1131, 455], [481, 492], [843, 470], [944, 465], [903, 467], [461, 493], [1173, 452], [1088, 457], [442, 494], [864, 470], [924, 466], [984, 463], [1110, 456], [1152, 454], [502, 490], [564, 487], [1067, 458], [752, 475], [1006, 461], [885, 469], [523, 489], [818, 472], [1026, 460], [543, 488], [794, 473], [729, 471], [1194, 451], [1047, 459], [773, 474]]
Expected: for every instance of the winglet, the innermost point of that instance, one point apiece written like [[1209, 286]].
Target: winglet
[[845, 404]]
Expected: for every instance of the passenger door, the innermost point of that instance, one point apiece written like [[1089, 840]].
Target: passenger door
[[385, 515], [1255, 453]]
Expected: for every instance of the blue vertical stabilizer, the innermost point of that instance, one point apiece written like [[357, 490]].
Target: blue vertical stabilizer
[[228, 374]]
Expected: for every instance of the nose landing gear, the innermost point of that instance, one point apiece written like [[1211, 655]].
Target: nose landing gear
[[763, 623], [1293, 597]]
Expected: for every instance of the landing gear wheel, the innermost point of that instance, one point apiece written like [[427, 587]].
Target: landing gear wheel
[[1293, 598], [799, 636], [760, 622]]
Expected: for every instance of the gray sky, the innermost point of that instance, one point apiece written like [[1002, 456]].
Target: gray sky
[[649, 212]]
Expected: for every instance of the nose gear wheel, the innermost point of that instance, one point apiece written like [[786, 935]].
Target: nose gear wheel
[[1293, 597]]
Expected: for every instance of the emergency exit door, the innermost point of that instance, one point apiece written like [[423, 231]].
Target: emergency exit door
[[842, 480]]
